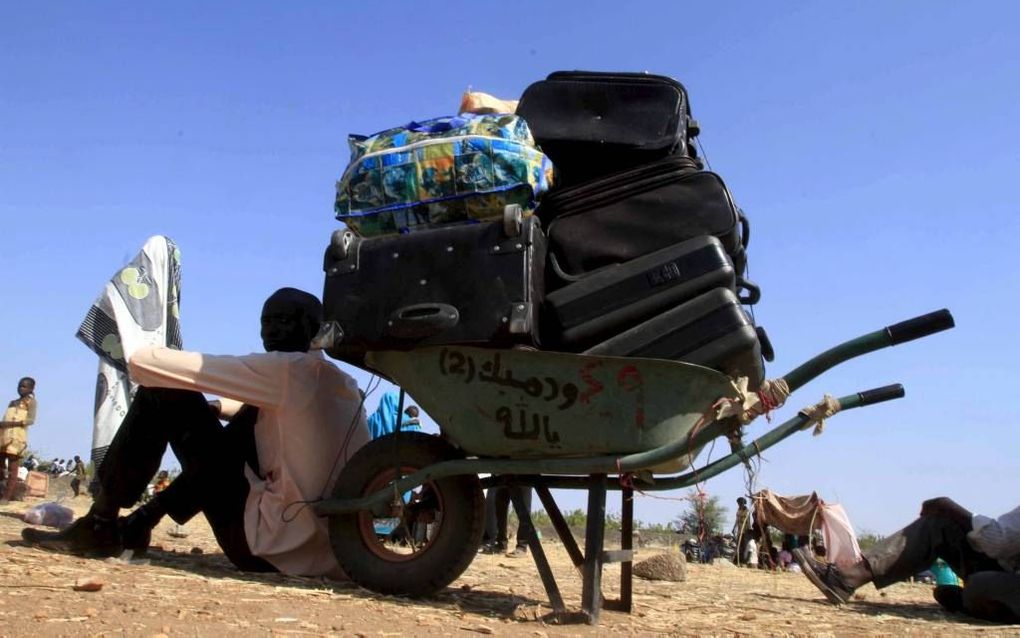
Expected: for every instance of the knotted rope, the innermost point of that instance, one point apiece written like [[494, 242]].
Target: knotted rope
[[820, 411], [747, 406]]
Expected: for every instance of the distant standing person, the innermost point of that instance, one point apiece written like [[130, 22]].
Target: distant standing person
[[14, 434], [80, 474], [742, 528]]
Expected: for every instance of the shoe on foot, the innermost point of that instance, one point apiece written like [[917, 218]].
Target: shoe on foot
[[493, 548], [135, 535], [90, 535], [520, 550], [824, 576]]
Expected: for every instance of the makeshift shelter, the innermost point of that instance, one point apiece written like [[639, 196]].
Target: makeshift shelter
[[804, 515]]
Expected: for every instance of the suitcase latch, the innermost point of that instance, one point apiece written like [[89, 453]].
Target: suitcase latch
[[520, 318]]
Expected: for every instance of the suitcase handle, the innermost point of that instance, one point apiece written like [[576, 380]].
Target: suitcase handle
[[752, 292], [745, 228], [422, 320]]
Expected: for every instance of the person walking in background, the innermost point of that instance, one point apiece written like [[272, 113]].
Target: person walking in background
[[14, 434], [80, 474], [497, 503]]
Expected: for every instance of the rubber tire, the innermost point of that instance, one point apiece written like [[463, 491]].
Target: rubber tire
[[455, 543]]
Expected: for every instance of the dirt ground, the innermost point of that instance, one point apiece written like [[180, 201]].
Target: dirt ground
[[186, 587]]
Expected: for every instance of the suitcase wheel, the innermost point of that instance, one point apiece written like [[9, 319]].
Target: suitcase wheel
[[513, 220], [340, 243]]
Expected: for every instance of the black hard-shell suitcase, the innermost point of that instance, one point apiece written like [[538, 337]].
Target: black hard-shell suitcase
[[477, 284], [621, 295], [620, 217], [711, 330], [591, 123]]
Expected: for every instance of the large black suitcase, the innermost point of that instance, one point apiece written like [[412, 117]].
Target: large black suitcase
[[622, 295], [591, 123], [711, 330], [620, 217], [477, 284]]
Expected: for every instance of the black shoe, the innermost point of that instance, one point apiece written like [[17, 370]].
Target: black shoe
[[90, 535], [493, 548], [824, 576], [135, 534]]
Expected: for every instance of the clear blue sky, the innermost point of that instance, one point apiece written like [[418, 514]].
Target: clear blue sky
[[875, 146]]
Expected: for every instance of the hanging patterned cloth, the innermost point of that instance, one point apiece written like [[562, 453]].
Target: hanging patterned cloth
[[138, 307]]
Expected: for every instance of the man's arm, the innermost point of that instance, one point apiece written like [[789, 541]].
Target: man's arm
[[30, 417], [997, 537], [256, 379]]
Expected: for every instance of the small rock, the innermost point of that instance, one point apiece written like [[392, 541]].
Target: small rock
[[91, 612], [465, 587], [88, 583], [197, 550], [669, 566]]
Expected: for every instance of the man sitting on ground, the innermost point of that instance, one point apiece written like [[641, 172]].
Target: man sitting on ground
[[984, 552], [301, 422]]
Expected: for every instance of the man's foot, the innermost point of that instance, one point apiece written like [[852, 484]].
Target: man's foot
[[824, 576], [90, 535], [493, 548], [519, 551], [135, 535]]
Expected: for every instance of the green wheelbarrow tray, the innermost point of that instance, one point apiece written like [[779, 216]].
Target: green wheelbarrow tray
[[522, 412], [527, 404]]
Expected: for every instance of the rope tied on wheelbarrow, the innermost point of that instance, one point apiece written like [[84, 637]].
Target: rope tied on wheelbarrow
[[748, 405], [820, 411]]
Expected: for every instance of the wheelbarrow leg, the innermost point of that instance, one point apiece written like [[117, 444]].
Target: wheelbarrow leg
[[560, 525], [594, 540], [625, 556], [541, 562]]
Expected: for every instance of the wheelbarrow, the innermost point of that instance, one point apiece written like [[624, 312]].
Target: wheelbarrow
[[554, 420]]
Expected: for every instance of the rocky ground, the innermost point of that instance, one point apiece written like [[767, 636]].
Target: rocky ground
[[186, 587]]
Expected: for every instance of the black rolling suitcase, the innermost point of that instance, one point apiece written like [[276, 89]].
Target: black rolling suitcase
[[626, 215], [477, 284], [711, 330], [591, 123], [619, 296]]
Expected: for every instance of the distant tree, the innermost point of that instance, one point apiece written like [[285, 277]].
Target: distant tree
[[867, 539], [703, 515]]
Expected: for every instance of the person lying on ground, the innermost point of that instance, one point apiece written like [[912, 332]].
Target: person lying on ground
[[984, 552], [252, 478]]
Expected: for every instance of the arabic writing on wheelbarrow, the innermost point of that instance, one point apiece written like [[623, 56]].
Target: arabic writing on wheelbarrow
[[527, 425], [454, 363]]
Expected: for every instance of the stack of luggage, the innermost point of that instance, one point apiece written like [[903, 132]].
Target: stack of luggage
[[460, 232]]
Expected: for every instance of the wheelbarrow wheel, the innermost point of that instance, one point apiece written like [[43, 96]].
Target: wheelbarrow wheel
[[437, 528]]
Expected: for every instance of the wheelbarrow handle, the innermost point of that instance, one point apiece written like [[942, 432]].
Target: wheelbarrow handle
[[918, 327], [890, 336], [878, 395]]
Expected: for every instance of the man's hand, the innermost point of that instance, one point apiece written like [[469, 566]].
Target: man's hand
[[947, 508]]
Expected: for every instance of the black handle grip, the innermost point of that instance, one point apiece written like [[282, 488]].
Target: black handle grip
[[885, 393], [918, 327]]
